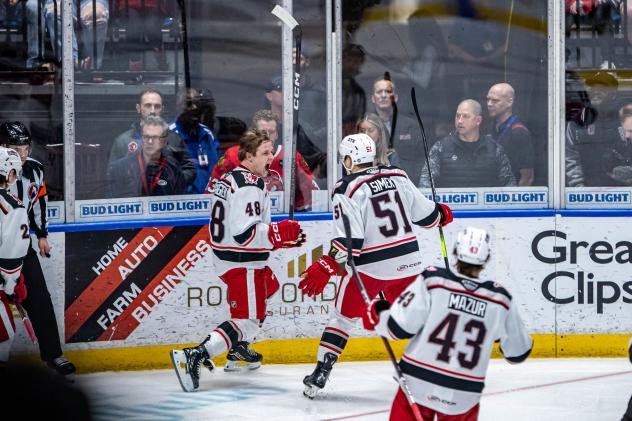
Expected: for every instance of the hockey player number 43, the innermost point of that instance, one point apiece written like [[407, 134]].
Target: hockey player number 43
[[446, 340]]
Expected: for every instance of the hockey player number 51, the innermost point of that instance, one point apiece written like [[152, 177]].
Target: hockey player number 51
[[449, 324], [381, 209]]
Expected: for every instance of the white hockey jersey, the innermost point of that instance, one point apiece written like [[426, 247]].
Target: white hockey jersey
[[31, 190], [381, 204], [14, 239], [453, 322], [240, 216]]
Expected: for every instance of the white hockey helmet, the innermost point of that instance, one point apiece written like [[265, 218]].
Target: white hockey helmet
[[360, 147], [9, 160], [472, 246]]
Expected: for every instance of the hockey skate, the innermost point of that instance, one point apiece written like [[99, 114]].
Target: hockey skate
[[187, 364], [242, 353], [316, 381], [63, 368]]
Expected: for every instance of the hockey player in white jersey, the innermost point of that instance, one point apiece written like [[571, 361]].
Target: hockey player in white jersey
[[242, 237], [382, 205], [30, 188], [14, 242], [452, 320]]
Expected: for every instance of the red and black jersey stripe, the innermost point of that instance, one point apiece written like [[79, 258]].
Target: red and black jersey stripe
[[414, 369], [387, 252]]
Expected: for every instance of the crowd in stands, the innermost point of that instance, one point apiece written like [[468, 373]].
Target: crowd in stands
[[483, 142]]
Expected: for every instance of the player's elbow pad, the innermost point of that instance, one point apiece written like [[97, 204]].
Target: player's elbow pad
[[517, 359], [396, 331], [431, 220], [245, 236]]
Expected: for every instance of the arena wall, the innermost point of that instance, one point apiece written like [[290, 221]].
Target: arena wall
[[124, 297]]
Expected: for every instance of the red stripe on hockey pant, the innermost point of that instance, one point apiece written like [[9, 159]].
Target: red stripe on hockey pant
[[352, 304], [128, 321], [238, 291], [401, 411], [272, 283], [106, 283], [6, 316]]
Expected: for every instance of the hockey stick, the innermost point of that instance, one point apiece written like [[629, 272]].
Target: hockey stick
[[185, 44], [434, 193], [291, 23], [387, 76], [365, 296], [27, 322]]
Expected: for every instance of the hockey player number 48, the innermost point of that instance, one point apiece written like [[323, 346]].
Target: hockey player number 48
[[447, 343], [217, 222]]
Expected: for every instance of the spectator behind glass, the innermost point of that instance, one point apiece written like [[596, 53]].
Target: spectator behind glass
[[617, 160], [591, 132], [51, 18], [201, 143], [465, 158], [143, 22], [406, 139], [316, 159], [601, 15], [150, 103], [353, 95], [371, 124], [266, 121], [511, 133], [147, 171]]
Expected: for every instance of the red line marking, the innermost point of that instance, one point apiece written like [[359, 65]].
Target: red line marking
[[538, 386], [517, 389]]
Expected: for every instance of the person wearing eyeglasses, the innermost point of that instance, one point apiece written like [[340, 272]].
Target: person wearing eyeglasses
[[150, 103], [148, 171]]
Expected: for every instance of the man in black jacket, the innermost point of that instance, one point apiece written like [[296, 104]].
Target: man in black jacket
[[465, 158], [150, 103], [148, 171]]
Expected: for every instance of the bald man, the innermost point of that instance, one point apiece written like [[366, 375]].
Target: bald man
[[465, 158], [511, 133]]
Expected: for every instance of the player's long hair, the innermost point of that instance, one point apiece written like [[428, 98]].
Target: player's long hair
[[382, 151], [250, 141], [468, 269]]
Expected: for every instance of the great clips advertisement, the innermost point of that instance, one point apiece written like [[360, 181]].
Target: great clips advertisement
[[115, 279]]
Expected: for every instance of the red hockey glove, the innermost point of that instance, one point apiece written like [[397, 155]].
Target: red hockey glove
[[19, 293], [285, 234], [371, 316], [316, 276], [446, 214]]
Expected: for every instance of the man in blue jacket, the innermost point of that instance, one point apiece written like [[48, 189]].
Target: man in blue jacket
[[202, 144]]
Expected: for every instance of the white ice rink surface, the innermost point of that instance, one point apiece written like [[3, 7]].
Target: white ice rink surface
[[539, 389]]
